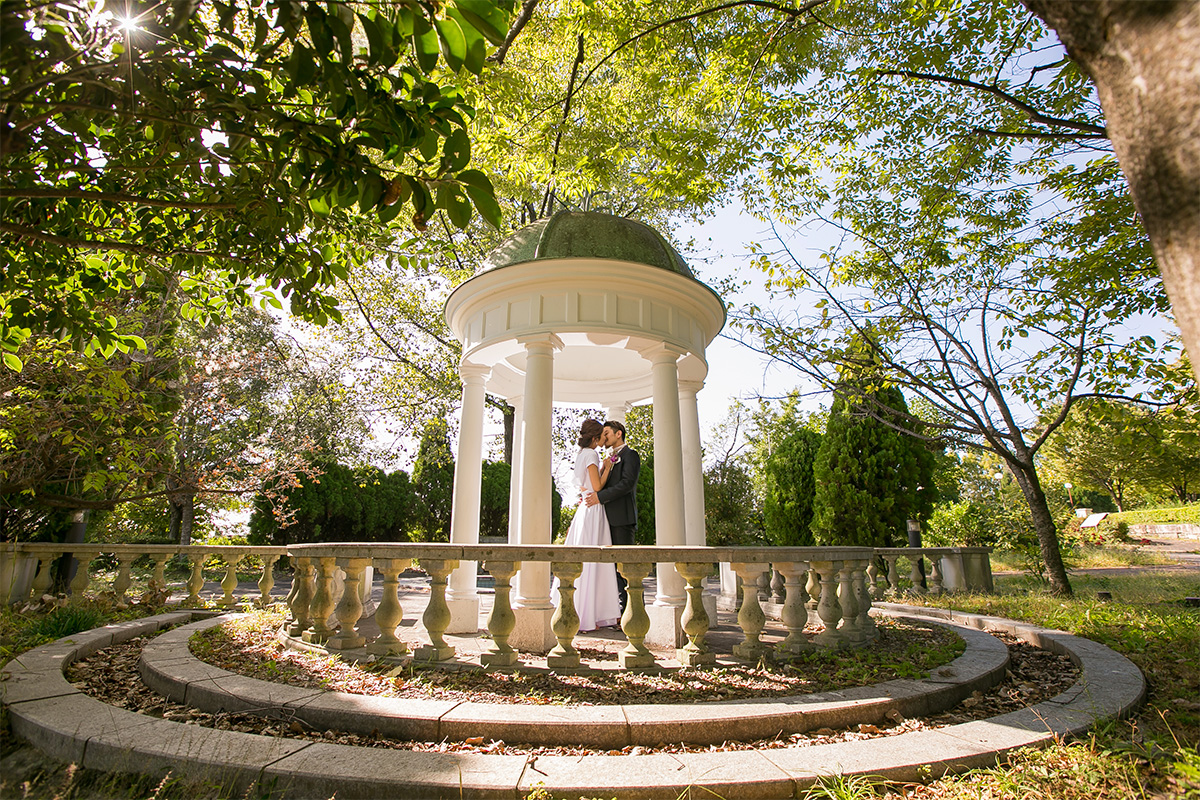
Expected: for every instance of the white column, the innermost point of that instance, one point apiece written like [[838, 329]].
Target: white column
[[462, 596], [532, 604], [615, 412], [693, 466], [668, 468], [514, 477]]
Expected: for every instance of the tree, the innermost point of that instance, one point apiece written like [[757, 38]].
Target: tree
[[221, 150], [1143, 59], [870, 478], [789, 488], [1102, 444], [732, 516], [433, 480]]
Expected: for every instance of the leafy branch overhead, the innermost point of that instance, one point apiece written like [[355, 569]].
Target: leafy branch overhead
[[222, 150]]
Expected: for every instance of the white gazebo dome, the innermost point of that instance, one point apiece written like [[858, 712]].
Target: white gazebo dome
[[581, 308]]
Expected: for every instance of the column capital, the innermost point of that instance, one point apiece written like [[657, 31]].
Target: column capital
[[534, 340], [473, 373], [691, 387], [617, 411], [662, 352]]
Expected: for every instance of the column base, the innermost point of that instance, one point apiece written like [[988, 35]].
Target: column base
[[345, 642], [490, 659], [635, 661], [532, 633], [691, 658], [312, 637], [563, 661], [751, 652], [665, 629], [428, 652], [464, 615], [393, 649]]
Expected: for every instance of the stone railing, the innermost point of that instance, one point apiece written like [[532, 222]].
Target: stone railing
[[830, 580], [25, 570]]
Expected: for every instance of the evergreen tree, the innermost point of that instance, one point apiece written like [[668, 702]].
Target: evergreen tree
[[870, 478], [433, 479], [789, 488]]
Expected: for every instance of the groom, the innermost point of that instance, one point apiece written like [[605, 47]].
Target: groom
[[619, 494]]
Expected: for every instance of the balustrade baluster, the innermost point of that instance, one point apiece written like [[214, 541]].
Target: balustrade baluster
[[390, 613], [159, 577], [873, 580], [322, 603], [230, 581], [916, 575], [794, 615], [195, 581], [828, 609], [565, 622], [935, 577], [893, 576], [301, 596], [635, 622], [777, 584], [79, 583], [267, 582], [349, 608], [750, 616], [848, 600], [865, 623], [812, 587], [437, 613], [695, 619], [501, 620], [43, 579], [123, 580]]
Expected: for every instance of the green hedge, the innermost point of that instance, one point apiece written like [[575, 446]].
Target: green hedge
[[1160, 516]]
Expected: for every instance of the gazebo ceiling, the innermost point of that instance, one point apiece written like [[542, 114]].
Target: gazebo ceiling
[[591, 235]]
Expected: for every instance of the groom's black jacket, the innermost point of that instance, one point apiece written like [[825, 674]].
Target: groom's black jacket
[[619, 494]]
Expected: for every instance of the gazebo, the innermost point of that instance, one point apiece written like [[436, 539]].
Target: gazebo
[[588, 309]]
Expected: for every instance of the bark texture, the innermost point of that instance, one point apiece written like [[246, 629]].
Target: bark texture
[[1144, 58]]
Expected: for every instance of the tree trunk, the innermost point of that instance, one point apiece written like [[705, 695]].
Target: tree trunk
[[510, 421], [1043, 523], [186, 518], [1144, 58]]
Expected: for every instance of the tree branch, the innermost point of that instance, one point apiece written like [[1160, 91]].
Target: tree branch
[[995, 91], [514, 31], [108, 244], [115, 197]]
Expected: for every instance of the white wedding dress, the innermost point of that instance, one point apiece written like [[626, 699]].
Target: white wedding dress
[[596, 598]]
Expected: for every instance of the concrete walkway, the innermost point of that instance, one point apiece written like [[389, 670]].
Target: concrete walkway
[[54, 716]]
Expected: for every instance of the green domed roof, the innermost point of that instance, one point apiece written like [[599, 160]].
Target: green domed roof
[[587, 234]]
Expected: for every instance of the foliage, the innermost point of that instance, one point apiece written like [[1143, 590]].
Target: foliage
[[1162, 516], [219, 150], [433, 480], [731, 514], [646, 533], [789, 488], [493, 499], [335, 503], [870, 478]]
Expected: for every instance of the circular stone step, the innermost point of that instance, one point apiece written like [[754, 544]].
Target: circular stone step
[[54, 716]]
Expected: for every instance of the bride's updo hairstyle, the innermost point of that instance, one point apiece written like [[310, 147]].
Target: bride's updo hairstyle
[[589, 431]]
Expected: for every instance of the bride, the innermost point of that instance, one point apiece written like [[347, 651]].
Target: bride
[[596, 599]]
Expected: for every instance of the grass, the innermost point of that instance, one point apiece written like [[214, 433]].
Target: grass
[[1088, 557]]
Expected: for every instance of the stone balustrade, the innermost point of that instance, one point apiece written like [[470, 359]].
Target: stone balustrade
[[25, 569], [844, 597], [829, 589]]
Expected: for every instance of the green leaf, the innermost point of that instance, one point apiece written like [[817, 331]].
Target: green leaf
[[370, 191], [457, 149], [454, 44], [485, 17], [380, 52], [476, 46], [320, 206], [425, 44], [13, 363], [480, 190]]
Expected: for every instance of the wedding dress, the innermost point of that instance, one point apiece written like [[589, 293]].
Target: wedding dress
[[596, 599]]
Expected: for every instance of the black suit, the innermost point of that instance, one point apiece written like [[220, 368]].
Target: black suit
[[619, 497]]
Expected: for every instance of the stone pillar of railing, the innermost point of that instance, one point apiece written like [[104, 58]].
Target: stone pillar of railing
[[794, 614], [501, 619], [935, 578], [124, 579], [812, 586], [321, 606], [437, 614], [390, 613], [916, 573], [349, 607], [159, 576], [865, 623], [565, 622], [827, 606], [43, 579], [195, 581], [777, 584], [750, 616], [873, 580], [635, 622], [893, 575], [848, 602], [230, 581], [267, 582], [300, 598], [695, 621], [79, 583]]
